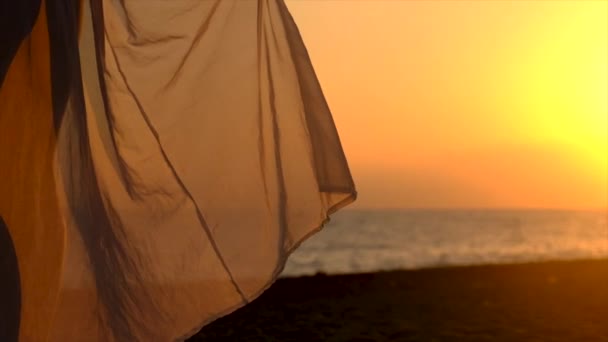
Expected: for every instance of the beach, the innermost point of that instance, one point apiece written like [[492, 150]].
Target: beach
[[542, 301]]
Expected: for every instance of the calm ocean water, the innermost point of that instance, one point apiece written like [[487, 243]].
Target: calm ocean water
[[365, 241]]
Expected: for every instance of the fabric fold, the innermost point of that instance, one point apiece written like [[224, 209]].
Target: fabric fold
[[192, 150]]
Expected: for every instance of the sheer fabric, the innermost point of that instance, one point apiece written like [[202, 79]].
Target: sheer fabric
[[159, 161]]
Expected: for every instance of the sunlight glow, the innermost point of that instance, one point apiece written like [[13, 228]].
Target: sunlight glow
[[467, 103]]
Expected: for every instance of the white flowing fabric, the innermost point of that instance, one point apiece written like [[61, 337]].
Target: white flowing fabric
[[207, 153]]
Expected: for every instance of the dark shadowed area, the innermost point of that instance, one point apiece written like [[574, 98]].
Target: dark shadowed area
[[10, 290], [553, 301]]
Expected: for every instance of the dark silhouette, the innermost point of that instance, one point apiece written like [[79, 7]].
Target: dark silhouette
[[10, 289]]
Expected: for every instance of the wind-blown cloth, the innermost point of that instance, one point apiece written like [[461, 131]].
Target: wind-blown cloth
[[159, 161]]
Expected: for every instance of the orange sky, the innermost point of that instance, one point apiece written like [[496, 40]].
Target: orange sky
[[467, 103]]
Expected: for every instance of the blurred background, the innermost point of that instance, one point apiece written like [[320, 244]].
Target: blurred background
[[477, 131]]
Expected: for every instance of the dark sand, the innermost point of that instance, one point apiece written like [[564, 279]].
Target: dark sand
[[553, 301]]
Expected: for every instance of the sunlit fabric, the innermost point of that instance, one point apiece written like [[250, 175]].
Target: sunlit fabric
[[159, 161]]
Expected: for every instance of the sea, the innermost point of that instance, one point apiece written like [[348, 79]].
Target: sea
[[356, 241]]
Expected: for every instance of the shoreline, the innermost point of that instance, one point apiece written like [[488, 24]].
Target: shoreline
[[545, 301], [444, 266]]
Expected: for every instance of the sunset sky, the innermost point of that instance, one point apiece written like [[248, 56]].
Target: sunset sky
[[466, 103]]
